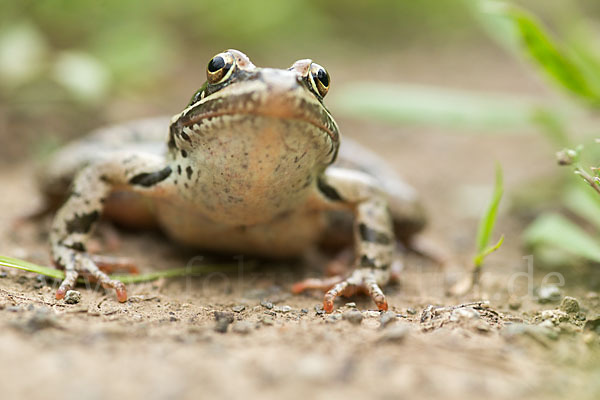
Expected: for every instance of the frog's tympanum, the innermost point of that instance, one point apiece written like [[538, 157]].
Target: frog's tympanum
[[252, 165]]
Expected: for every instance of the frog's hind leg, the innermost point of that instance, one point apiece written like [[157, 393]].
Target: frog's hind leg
[[373, 233], [73, 223]]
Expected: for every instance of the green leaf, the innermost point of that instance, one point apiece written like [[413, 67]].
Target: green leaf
[[151, 276], [428, 105], [558, 63], [557, 231], [486, 225], [583, 201]]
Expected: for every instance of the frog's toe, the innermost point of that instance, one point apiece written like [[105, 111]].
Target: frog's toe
[[109, 283], [67, 284]]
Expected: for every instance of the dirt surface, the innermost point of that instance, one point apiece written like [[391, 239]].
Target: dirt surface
[[243, 334]]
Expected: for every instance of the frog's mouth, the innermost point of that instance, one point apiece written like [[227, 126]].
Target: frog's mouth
[[289, 101]]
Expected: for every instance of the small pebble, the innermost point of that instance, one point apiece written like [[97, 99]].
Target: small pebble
[[395, 333], [267, 320], [372, 314], [3, 274], [464, 313], [570, 305], [351, 305], [239, 308], [223, 320], [411, 311], [304, 310], [266, 304], [386, 318], [284, 309], [333, 318], [242, 327], [72, 297], [319, 309], [548, 294], [353, 316]]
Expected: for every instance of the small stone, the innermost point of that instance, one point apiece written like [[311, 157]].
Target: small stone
[[333, 318], [266, 304], [223, 320], [556, 316], [267, 320], [351, 305], [372, 314], [304, 310], [464, 314], [548, 294], [242, 327], [72, 297], [570, 305], [411, 311], [238, 308], [3, 274], [284, 309], [547, 324], [319, 309], [386, 318], [395, 333], [353, 316]]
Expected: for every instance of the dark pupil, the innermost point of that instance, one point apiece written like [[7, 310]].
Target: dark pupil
[[323, 77], [216, 64]]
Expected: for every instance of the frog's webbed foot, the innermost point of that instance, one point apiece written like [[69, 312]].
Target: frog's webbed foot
[[360, 281], [81, 264]]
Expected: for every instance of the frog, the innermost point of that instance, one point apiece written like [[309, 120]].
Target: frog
[[252, 165]]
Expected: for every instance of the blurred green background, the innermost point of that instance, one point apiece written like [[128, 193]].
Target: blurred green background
[[67, 66], [461, 66]]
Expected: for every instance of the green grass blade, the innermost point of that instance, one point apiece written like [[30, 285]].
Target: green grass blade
[[30, 267], [486, 225], [147, 277], [433, 106], [532, 38], [557, 231], [584, 202]]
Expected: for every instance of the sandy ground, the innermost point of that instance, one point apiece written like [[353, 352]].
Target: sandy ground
[[166, 342]]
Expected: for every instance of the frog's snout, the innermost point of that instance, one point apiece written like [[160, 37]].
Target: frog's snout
[[278, 80]]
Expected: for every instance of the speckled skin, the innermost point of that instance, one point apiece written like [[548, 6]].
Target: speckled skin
[[246, 169]]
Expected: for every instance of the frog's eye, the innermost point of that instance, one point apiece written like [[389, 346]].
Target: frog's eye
[[319, 79], [220, 67]]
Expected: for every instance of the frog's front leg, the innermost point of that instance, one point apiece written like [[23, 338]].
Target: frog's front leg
[[76, 219], [373, 234]]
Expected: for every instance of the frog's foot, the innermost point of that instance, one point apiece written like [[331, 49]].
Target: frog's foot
[[82, 264], [361, 281]]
